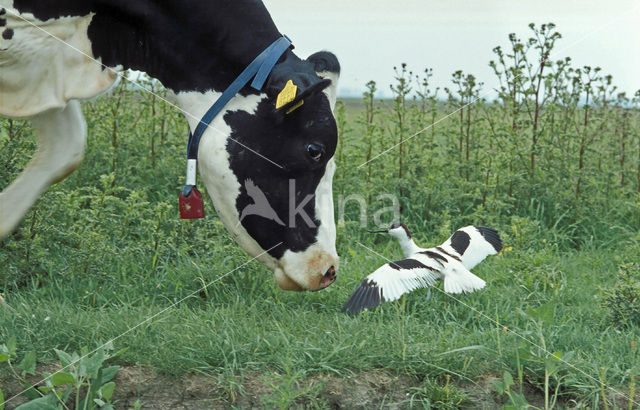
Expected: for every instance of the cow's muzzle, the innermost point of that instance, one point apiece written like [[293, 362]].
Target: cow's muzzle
[[313, 271]]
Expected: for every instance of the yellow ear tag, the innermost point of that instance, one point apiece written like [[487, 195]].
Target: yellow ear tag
[[287, 94], [295, 106]]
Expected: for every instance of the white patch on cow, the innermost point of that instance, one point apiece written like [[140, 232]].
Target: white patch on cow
[[214, 164], [62, 134], [330, 91], [39, 72]]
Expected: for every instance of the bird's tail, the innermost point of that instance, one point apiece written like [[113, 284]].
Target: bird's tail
[[462, 281]]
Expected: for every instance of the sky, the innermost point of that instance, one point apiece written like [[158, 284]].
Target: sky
[[370, 37]]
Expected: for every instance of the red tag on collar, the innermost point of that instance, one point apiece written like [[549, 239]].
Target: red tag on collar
[[191, 205]]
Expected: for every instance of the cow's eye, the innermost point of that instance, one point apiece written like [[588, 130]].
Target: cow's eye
[[315, 151]]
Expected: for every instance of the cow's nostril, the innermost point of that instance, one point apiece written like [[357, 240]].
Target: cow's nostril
[[329, 277], [331, 272]]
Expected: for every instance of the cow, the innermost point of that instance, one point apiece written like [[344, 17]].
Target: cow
[[55, 53]]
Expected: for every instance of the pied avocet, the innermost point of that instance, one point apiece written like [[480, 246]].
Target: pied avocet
[[451, 261]]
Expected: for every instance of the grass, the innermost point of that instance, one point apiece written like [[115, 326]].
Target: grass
[[103, 251], [243, 323]]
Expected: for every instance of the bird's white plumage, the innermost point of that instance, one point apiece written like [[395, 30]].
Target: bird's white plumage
[[394, 283], [479, 248], [457, 279], [450, 262]]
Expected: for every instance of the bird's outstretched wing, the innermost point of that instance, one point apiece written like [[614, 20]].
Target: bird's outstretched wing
[[392, 280], [472, 244]]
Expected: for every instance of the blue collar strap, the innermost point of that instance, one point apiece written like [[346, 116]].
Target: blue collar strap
[[259, 69]]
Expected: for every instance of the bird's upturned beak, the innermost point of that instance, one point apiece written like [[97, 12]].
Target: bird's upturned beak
[[381, 231]]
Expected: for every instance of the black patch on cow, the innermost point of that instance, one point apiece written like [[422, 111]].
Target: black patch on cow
[[492, 236], [189, 45], [408, 264], [7, 34], [367, 296], [435, 256], [460, 241], [45, 10], [3, 11], [284, 143], [3, 22], [324, 61], [448, 254]]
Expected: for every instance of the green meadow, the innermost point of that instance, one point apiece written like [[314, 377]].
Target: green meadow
[[551, 159]]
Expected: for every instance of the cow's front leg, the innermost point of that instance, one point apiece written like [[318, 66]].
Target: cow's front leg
[[62, 136]]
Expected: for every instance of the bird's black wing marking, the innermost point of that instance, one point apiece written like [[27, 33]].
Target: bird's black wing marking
[[348, 306], [357, 302], [364, 300], [448, 254], [460, 241], [366, 296], [352, 305], [407, 264], [377, 296], [369, 300], [433, 255], [492, 236]]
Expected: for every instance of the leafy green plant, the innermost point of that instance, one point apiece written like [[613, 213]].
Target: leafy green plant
[[8, 354], [622, 302], [542, 317], [83, 380], [516, 401]]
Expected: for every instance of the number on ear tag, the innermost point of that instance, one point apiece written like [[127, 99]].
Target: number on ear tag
[[287, 94]]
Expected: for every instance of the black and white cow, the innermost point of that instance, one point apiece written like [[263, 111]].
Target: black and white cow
[[195, 48]]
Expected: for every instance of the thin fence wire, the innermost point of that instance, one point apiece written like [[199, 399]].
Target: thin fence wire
[[149, 319]]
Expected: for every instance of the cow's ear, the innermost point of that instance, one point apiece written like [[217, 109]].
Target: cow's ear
[[326, 66], [292, 80]]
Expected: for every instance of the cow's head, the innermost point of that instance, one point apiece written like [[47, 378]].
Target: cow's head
[[269, 169]]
